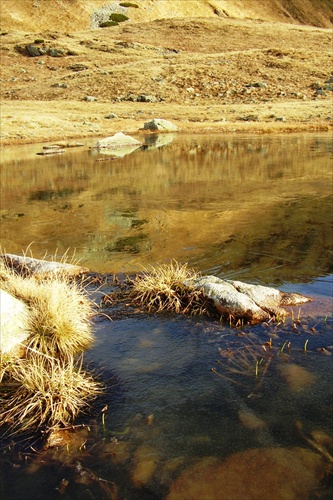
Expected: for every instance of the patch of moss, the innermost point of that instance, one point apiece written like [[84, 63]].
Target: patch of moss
[[129, 4], [106, 24], [118, 18]]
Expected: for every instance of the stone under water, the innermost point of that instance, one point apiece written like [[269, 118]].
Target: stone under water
[[255, 474]]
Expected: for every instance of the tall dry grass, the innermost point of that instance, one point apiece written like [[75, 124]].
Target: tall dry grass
[[59, 312], [47, 387], [45, 391], [167, 287]]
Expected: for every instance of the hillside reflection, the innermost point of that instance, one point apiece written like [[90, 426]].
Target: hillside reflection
[[251, 205]]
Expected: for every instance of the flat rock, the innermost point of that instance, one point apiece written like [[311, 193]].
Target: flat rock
[[254, 303], [29, 266]]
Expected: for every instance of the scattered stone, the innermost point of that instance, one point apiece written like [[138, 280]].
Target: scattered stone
[[70, 144], [328, 86], [34, 51], [52, 146], [77, 67], [60, 85], [280, 119], [146, 98], [51, 151], [55, 52], [111, 116], [139, 98], [90, 98], [259, 85], [158, 124], [250, 118]]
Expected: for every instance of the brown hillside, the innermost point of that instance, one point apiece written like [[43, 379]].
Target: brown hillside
[[75, 15], [260, 65]]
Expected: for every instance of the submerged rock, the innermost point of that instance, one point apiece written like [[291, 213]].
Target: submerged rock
[[297, 377], [277, 473], [145, 461], [254, 303]]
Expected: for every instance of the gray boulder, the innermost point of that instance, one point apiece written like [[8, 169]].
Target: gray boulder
[[160, 125], [254, 303]]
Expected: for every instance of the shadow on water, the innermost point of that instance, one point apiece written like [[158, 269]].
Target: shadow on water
[[192, 405]]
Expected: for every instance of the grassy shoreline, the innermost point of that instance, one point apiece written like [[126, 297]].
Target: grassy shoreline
[[29, 122]]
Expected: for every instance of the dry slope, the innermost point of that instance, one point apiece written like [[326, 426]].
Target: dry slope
[[211, 63]]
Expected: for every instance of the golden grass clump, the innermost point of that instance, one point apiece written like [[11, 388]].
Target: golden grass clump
[[59, 312], [47, 387], [168, 288], [47, 391]]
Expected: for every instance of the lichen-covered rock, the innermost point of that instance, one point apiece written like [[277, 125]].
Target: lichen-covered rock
[[229, 301], [254, 303]]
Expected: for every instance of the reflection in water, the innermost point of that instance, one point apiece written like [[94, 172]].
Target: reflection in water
[[223, 204]]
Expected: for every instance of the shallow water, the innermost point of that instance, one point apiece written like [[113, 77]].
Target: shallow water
[[185, 391]]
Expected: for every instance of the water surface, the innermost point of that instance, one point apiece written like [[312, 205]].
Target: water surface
[[184, 392], [259, 205]]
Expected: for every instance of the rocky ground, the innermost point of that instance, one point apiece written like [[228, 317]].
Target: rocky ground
[[216, 73]]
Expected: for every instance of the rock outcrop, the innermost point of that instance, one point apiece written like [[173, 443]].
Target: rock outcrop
[[254, 303]]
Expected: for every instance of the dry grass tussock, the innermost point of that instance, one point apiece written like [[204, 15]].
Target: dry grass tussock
[[168, 288], [60, 312], [44, 391], [47, 387]]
